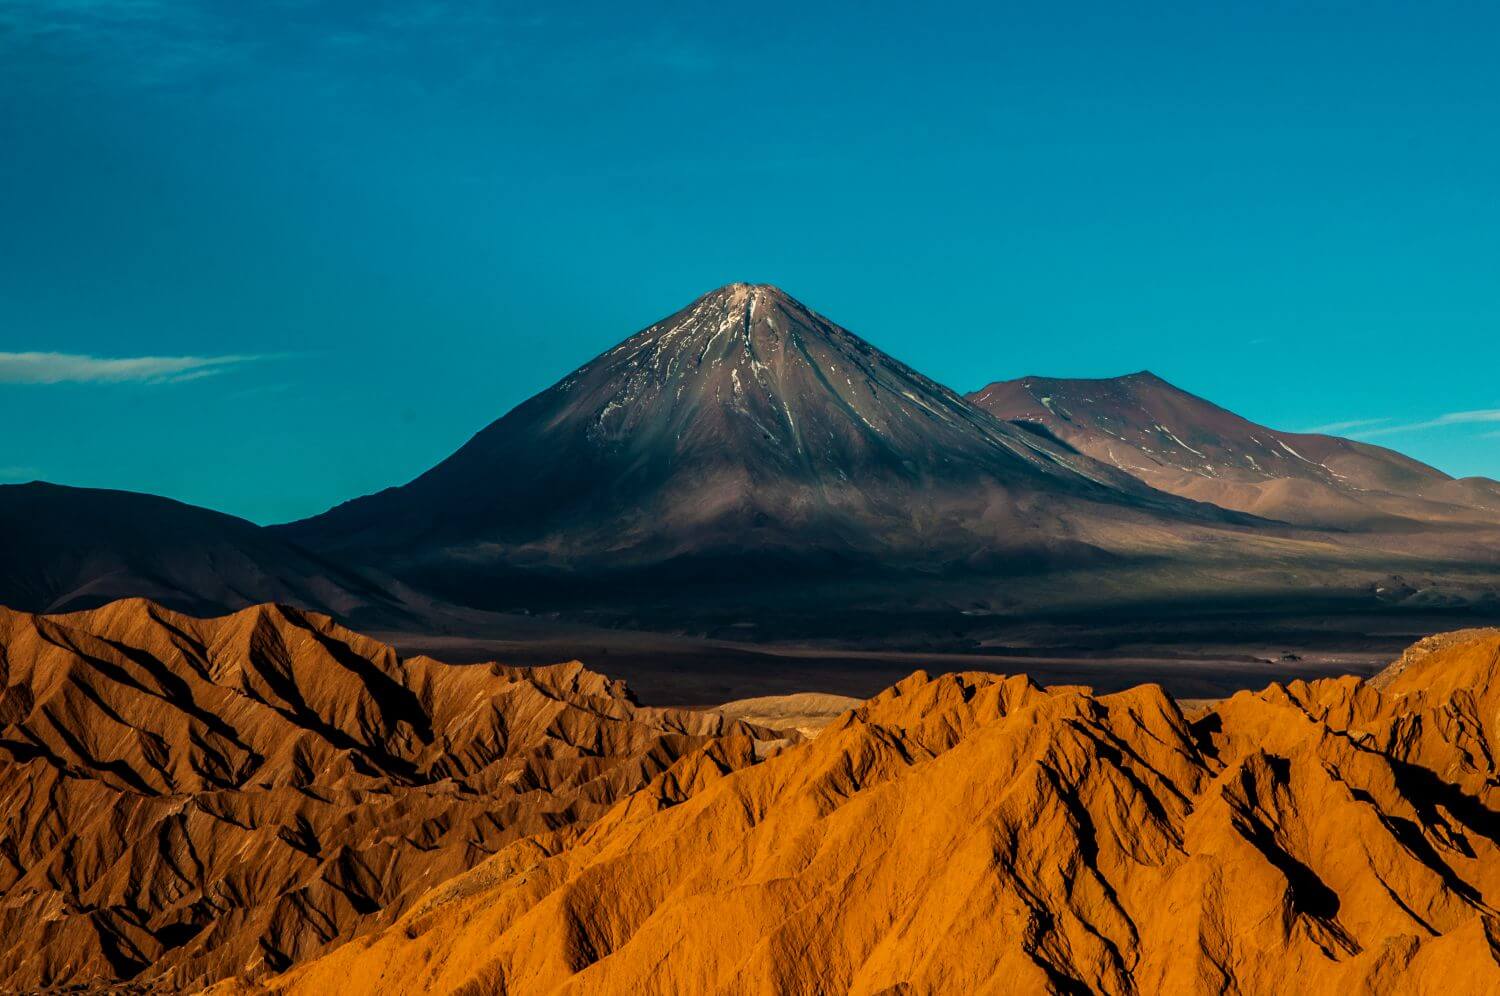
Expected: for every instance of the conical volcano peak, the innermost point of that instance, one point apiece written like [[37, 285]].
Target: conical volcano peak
[[740, 324], [743, 414], [744, 304], [739, 291], [750, 303]]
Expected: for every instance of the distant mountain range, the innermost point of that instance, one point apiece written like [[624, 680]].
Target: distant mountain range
[[748, 445]]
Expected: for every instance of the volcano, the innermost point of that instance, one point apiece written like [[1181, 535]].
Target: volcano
[[1184, 444], [745, 429]]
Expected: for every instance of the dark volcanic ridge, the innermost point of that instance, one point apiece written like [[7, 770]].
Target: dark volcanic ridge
[[78, 548]]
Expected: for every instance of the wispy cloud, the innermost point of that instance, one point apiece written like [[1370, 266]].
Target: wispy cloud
[[1354, 423], [75, 368], [1474, 416], [19, 473]]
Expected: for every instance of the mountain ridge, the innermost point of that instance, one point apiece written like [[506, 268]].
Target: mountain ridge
[[745, 458], [74, 548], [1187, 445], [981, 833], [185, 799]]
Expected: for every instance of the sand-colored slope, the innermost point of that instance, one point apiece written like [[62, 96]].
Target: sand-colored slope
[[184, 799], [806, 712], [978, 834]]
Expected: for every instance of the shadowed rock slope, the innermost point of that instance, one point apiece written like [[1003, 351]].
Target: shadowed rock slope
[[979, 834], [184, 799], [68, 549]]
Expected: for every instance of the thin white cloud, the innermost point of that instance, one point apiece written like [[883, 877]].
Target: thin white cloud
[[75, 368], [19, 473], [1336, 427], [1475, 416]]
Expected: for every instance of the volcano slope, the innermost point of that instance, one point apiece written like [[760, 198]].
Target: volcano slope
[[1178, 442], [979, 834], [746, 433], [185, 799]]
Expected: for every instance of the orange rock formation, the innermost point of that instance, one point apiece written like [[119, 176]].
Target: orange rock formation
[[979, 834], [185, 799]]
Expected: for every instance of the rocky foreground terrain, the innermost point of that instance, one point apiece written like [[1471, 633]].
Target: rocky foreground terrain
[[267, 802], [186, 799], [976, 833]]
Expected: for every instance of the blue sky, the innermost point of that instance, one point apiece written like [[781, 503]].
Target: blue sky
[[286, 253]]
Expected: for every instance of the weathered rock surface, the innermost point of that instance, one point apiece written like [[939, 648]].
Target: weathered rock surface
[[806, 712], [974, 833], [185, 799]]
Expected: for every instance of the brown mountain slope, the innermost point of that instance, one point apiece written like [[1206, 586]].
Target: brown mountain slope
[[1182, 444], [183, 799], [979, 834]]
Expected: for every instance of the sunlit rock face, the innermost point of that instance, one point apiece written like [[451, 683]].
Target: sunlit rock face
[[980, 834], [187, 799]]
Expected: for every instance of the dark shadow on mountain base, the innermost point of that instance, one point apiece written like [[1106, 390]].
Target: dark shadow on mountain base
[[705, 675], [1193, 653], [748, 575], [711, 628]]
